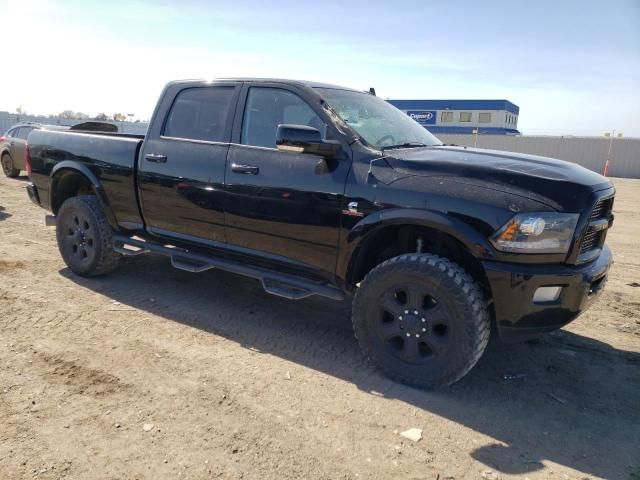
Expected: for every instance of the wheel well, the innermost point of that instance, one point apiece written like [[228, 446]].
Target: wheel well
[[391, 241], [66, 185]]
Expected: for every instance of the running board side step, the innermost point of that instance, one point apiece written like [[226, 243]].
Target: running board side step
[[280, 284]]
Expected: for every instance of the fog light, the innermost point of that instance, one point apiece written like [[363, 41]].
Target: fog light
[[546, 294]]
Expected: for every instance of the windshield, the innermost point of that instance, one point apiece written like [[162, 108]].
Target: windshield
[[379, 124]]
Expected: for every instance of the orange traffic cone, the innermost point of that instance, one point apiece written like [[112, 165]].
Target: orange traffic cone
[[606, 168]]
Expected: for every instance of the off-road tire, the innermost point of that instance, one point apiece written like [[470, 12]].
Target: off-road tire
[[85, 237], [7, 166], [457, 327]]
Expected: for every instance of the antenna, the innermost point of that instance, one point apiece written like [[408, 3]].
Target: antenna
[[372, 91]]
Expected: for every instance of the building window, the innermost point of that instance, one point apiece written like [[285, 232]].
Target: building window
[[446, 117], [465, 116], [506, 118], [484, 117]]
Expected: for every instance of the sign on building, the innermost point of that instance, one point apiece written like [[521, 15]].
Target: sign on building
[[423, 117]]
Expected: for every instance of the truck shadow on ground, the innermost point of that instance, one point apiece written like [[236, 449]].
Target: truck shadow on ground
[[568, 399], [3, 214]]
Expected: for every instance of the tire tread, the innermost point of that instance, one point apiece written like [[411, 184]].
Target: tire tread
[[108, 259], [468, 291], [14, 171]]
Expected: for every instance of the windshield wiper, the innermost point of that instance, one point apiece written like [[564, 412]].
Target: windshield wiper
[[404, 145]]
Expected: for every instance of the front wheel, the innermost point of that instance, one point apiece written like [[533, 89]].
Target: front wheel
[[422, 319], [7, 166], [85, 237]]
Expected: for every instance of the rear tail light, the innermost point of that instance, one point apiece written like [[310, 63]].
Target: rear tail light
[[27, 160], [1, 139]]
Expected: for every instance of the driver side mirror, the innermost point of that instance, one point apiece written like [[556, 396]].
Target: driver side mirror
[[303, 139]]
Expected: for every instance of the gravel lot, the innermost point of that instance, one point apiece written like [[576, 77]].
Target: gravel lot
[[156, 373]]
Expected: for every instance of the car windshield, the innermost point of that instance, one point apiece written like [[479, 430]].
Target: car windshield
[[379, 124]]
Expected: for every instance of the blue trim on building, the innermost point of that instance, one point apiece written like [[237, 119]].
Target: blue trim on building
[[435, 129], [456, 105]]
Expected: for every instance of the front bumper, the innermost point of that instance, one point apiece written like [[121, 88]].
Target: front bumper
[[514, 285]]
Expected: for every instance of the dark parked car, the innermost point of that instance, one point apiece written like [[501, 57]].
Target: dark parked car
[[316, 189], [13, 144]]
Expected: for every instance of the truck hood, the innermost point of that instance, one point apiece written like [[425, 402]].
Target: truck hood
[[561, 185]]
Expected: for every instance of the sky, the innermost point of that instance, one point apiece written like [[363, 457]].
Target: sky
[[573, 67]]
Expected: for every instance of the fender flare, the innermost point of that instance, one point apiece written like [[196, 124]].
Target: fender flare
[[476, 243], [96, 186]]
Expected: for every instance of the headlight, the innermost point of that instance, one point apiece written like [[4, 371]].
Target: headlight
[[537, 233]]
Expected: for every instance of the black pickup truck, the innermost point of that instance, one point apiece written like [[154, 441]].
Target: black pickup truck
[[316, 189]]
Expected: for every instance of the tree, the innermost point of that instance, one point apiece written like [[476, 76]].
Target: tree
[[102, 117], [70, 114], [67, 114], [119, 117]]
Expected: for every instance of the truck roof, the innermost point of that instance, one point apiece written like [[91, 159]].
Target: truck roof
[[303, 83]]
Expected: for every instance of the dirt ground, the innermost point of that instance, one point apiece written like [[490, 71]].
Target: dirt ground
[[155, 373]]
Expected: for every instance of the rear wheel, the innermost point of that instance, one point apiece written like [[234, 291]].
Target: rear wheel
[[422, 319], [85, 237], [7, 166]]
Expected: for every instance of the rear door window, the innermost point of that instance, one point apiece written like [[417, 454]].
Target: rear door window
[[200, 113]]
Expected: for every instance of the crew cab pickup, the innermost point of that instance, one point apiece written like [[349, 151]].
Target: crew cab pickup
[[316, 189]]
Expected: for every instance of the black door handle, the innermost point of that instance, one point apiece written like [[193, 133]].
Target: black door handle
[[246, 169], [153, 157]]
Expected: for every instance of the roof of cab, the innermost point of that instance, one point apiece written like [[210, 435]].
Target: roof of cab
[[301, 83]]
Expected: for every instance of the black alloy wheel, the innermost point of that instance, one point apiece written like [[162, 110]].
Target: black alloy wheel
[[413, 324], [79, 239]]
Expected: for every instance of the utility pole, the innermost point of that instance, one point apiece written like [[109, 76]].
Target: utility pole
[[608, 160]]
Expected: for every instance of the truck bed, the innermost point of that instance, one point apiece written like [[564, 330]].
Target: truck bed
[[109, 157]]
